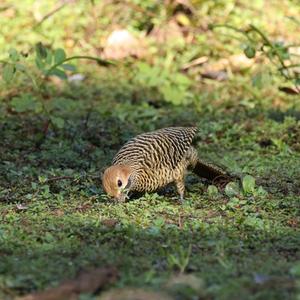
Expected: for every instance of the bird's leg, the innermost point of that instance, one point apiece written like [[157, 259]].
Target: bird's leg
[[180, 188]]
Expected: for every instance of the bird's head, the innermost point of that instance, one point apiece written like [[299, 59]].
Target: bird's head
[[116, 181]]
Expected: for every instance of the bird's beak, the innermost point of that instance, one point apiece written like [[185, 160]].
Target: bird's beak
[[121, 197]]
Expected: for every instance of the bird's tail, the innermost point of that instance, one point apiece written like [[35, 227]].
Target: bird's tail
[[214, 174]]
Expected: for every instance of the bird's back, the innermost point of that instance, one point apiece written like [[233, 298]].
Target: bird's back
[[163, 148]]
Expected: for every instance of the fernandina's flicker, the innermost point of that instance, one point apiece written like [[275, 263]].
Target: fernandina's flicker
[[154, 159]]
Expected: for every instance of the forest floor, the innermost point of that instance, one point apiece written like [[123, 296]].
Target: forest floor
[[56, 221]]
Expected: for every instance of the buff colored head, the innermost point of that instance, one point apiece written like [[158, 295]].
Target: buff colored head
[[116, 181]]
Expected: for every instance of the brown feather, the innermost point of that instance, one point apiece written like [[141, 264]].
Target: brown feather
[[152, 160]]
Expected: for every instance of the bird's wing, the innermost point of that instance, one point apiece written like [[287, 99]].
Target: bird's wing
[[161, 148]]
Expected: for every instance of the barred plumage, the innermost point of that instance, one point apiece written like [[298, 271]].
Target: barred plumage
[[154, 159]]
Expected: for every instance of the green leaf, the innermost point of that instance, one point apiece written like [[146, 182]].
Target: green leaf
[[212, 190], [295, 270], [58, 122], [261, 191], [181, 79], [59, 73], [48, 237], [173, 94], [232, 189], [41, 50], [233, 203], [20, 67], [64, 104], [282, 50], [39, 63], [34, 185], [8, 72], [257, 80], [248, 184], [254, 222], [261, 79], [13, 54], [159, 222], [152, 76], [59, 55], [42, 179], [49, 57], [25, 103], [250, 51], [68, 67]]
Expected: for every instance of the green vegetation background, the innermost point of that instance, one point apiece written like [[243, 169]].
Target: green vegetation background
[[57, 137]]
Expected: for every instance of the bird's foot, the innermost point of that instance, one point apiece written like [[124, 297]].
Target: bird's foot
[[177, 199], [181, 199]]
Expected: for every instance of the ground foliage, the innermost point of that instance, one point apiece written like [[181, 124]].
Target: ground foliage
[[58, 133]]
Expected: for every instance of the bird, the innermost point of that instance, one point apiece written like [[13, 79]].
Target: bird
[[154, 159]]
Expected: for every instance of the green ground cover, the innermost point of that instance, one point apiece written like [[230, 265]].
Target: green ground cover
[[55, 218]]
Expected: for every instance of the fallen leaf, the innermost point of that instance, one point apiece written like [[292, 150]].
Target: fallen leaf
[[58, 212], [21, 207], [167, 32], [10, 13], [109, 222], [86, 282], [215, 75], [121, 44], [76, 78], [293, 223], [133, 294], [189, 280], [289, 90], [196, 62], [234, 63]]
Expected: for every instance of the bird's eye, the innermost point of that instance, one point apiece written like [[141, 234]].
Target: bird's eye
[[119, 183]]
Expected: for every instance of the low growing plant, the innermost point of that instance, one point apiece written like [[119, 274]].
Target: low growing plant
[[256, 42], [38, 66]]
